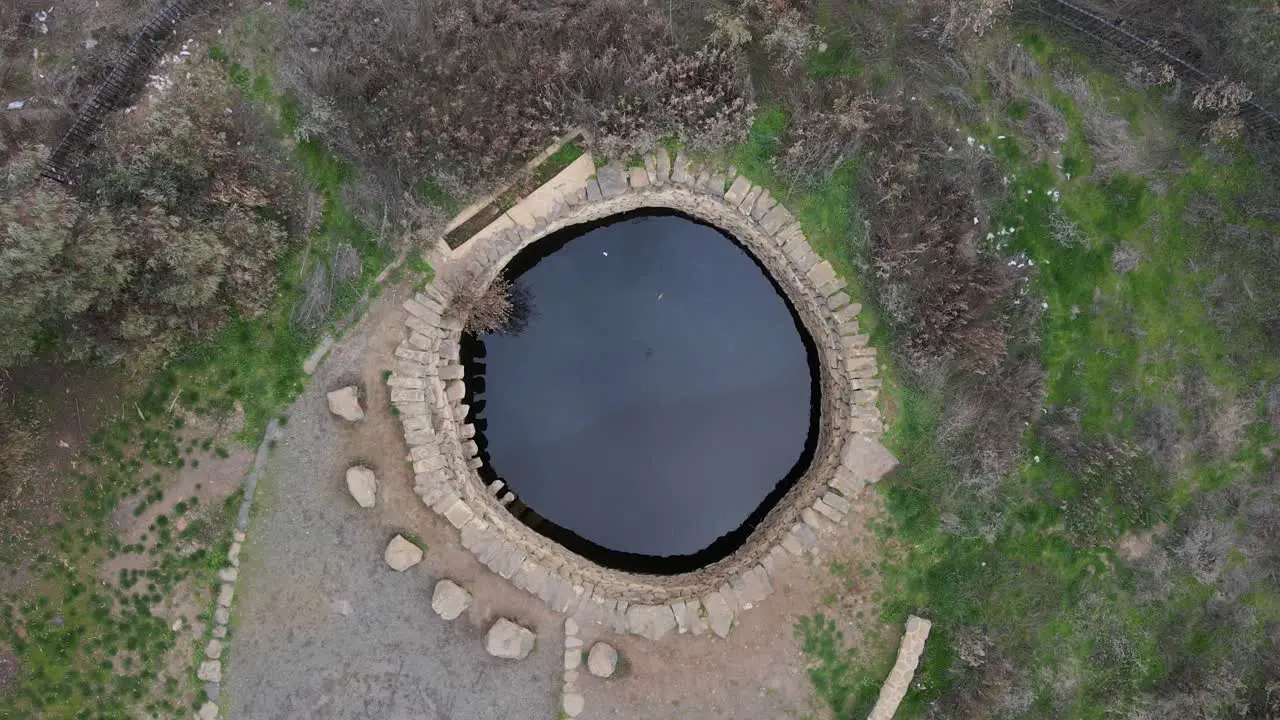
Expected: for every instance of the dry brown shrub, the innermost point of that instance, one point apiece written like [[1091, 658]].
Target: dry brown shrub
[[825, 135], [1011, 72], [1223, 99], [1045, 127], [462, 93], [500, 307], [1153, 75], [960, 20], [696, 96]]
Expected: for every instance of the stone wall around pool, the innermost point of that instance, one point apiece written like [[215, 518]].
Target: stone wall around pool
[[428, 388]]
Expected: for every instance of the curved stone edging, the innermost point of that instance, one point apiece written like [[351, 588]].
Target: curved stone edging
[[427, 386]]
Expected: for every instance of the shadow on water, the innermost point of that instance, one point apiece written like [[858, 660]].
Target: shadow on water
[[576, 439]]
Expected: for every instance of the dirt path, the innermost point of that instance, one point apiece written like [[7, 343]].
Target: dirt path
[[322, 628]]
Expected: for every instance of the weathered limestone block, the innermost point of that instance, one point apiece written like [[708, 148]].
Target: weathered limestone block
[[401, 554], [363, 486], [737, 191], [612, 179], [602, 661], [450, 600], [719, 613], [662, 161], [866, 460], [509, 641], [345, 403]]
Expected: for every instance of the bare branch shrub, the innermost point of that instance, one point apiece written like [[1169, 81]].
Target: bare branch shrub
[[821, 139], [790, 40], [729, 29], [319, 121], [1011, 72], [466, 92], [1108, 134], [784, 31], [347, 266], [1065, 232], [1125, 259], [500, 307], [1155, 75], [316, 303], [697, 96], [958, 20], [1204, 550], [1045, 127], [1223, 99]]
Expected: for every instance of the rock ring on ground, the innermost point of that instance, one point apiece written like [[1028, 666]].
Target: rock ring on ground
[[602, 661], [363, 486], [402, 554], [449, 599], [509, 640], [345, 403]]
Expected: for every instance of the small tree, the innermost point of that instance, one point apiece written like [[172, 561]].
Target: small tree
[[501, 308], [58, 258]]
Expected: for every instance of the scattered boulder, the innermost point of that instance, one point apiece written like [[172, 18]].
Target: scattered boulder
[[509, 640], [402, 554], [208, 711], [602, 661], [363, 486], [345, 403], [449, 599]]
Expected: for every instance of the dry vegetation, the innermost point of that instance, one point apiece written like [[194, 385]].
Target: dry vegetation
[[457, 94]]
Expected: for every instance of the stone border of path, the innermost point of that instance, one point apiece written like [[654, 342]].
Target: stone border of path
[[427, 386], [209, 670], [904, 669]]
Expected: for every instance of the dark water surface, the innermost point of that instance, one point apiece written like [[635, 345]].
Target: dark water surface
[[660, 400]]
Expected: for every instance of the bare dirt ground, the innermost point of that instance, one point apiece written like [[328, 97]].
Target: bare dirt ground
[[759, 672], [322, 628]]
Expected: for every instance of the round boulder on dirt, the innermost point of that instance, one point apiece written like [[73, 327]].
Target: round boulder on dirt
[[402, 554], [508, 640], [602, 661], [449, 600], [345, 403], [362, 485]]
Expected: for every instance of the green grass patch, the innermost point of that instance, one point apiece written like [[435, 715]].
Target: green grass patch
[[1120, 338]]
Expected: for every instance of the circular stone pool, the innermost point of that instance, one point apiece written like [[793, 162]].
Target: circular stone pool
[[660, 399]]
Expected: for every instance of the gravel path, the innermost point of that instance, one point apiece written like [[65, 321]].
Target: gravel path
[[322, 628]]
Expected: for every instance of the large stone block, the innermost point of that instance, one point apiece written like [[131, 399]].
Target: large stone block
[[866, 460], [449, 600], [509, 641], [401, 554], [363, 486], [345, 403]]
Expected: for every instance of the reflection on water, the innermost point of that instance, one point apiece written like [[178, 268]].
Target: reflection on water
[[661, 396]]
